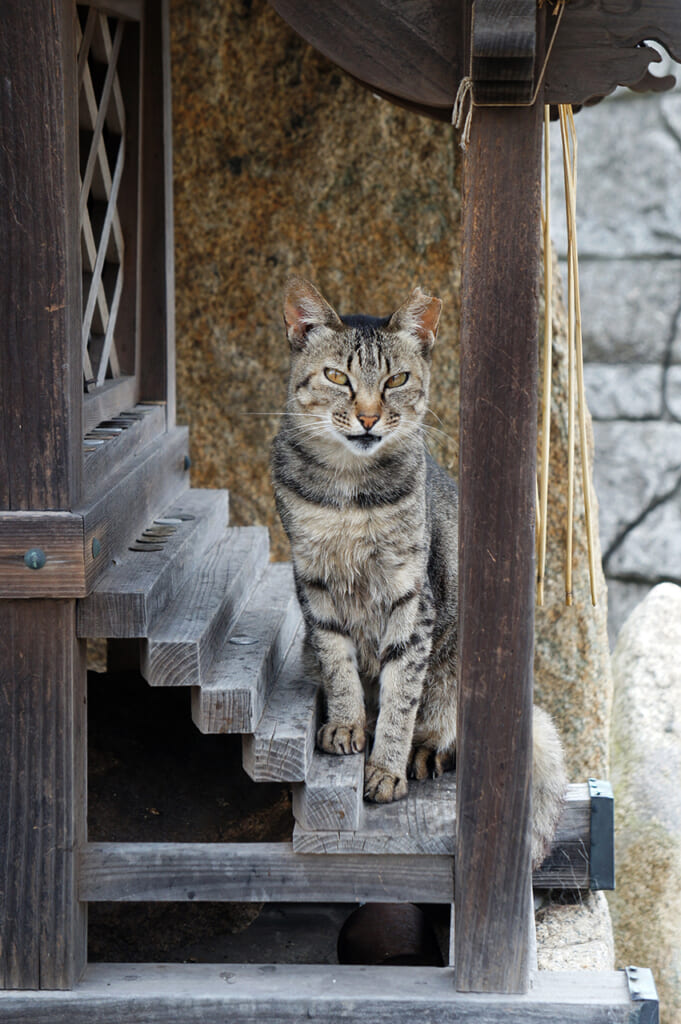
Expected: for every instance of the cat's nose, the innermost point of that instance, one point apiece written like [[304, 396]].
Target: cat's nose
[[366, 420]]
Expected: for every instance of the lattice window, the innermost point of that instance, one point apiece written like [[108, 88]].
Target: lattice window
[[102, 156]]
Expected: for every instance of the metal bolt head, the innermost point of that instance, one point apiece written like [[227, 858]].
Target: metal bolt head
[[187, 462], [35, 558], [242, 640], [96, 547]]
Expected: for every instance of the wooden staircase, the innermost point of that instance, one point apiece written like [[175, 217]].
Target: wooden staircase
[[210, 612]]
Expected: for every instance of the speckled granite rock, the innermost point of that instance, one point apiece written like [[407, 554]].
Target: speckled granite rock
[[572, 665], [575, 935], [646, 771], [282, 164]]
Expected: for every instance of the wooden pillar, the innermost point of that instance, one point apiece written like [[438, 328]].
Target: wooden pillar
[[157, 266], [42, 670], [501, 215]]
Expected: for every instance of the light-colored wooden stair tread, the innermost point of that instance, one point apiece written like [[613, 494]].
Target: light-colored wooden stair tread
[[282, 745], [329, 804], [182, 642], [232, 694], [132, 593]]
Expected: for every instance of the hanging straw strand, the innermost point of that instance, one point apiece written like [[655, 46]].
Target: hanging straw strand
[[569, 525]]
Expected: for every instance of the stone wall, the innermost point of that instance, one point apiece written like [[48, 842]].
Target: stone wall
[[629, 232], [284, 164]]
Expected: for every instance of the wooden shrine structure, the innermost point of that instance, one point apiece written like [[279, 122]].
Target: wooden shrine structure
[[101, 534]]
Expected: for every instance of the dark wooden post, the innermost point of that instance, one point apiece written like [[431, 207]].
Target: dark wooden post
[[42, 670], [496, 560]]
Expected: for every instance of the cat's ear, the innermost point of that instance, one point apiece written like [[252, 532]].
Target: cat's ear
[[419, 315], [305, 309]]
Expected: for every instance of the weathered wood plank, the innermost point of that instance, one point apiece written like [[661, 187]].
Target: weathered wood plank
[[59, 536], [282, 746], [40, 366], [331, 799], [131, 594], [425, 823], [103, 455], [288, 994], [232, 694], [252, 872], [183, 642], [108, 401], [42, 794], [498, 443], [142, 488], [504, 50]]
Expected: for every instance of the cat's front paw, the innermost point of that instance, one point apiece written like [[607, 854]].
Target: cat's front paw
[[426, 762], [382, 786], [335, 738]]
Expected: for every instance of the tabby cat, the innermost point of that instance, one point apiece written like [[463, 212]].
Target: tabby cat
[[372, 522]]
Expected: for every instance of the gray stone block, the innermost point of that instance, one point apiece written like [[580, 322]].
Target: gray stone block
[[629, 180], [629, 309], [623, 597], [635, 465], [623, 391], [652, 548]]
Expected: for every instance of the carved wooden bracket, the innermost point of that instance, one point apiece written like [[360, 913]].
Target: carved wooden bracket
[[416, 54]]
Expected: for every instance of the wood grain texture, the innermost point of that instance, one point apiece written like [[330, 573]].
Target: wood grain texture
[[42, 794], [60, 536], [232, 694], [183, 642], [424, 823], [131, 594], [142, 487], [281, 748], [252, 872], [139, 425], [40, 365], [504, 50], [416, 54], [108, 401], [157, 284], [498, 443], [288, 994], [331, 799]]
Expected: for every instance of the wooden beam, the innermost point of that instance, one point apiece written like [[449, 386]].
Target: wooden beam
[[251, 872], [157, 286], [40, 305], [289, 993], [26, 538], [42, 794], [496, 536]]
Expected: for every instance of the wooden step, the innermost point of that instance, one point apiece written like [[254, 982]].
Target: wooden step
[[183, 641], [281, 748], [331, 798], [425, 822], [232, 696], [133, 592]]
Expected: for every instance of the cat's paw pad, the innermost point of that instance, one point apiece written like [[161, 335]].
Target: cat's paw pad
[[335, 738], [382, 786]]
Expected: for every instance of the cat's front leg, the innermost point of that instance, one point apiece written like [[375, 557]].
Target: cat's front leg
[[344, 731], [404, 662]]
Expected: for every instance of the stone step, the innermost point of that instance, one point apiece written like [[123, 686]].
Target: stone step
[[281, 748], [182, 643], [232, 695], [134, 591]]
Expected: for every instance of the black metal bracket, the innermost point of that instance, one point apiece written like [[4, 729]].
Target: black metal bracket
[[602, 853], [642, 990]]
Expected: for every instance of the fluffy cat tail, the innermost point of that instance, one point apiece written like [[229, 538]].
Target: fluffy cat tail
[[549, 782]]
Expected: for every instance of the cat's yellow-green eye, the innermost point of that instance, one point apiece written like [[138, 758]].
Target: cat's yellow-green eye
[[336, 377], [397, 380]]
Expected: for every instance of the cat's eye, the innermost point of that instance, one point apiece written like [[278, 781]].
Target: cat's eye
[[336, 377], [397, 380]]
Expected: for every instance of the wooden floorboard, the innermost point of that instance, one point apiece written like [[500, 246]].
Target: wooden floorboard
[[255, 994]]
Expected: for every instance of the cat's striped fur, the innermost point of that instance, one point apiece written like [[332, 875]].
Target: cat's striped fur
[[372, 522]]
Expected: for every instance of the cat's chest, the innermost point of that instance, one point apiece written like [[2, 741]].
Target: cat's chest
[[358, 551]]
